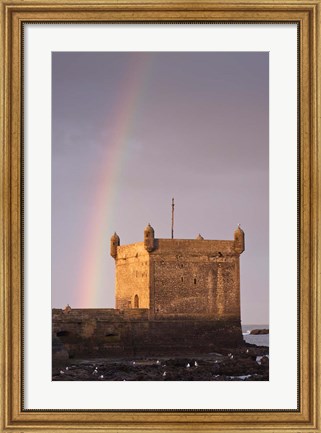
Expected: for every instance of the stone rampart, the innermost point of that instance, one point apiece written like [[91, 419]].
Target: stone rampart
[[198, 246], [95, 333]]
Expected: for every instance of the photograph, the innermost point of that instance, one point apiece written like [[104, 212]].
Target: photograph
[[160, 216]]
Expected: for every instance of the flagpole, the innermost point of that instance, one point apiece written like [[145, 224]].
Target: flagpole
[[173, 218]]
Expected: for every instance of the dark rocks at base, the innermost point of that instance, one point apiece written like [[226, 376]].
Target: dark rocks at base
[[232, 365], [259, 350], [265, 360], [259, 331]]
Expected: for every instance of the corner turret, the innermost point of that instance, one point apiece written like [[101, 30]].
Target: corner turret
[[149, 236], [239, 243], [114, 243]]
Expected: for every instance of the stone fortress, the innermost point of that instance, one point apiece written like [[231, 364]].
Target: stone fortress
[[173, 296], [176, 278]]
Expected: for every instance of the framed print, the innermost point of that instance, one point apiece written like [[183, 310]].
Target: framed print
[[160, 216]]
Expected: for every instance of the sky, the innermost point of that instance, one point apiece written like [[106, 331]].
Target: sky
[[132, 130]]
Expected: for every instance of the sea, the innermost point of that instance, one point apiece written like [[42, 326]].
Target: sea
[[259, 340]]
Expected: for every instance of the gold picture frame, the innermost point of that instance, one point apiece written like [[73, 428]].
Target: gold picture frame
[[307, 15]]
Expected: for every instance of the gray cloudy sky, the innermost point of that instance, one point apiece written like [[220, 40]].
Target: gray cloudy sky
[[132, 130]]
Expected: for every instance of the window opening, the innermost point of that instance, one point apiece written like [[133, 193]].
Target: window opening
[[136, 301]]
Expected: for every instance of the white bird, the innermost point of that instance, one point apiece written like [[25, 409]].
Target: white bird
[[101, 377], [67, 368], [164, 374], [157, 362], [62, 372], [134, 362], [216, 361], [247, 350], [196, 364], [188, 365], [231, 357]]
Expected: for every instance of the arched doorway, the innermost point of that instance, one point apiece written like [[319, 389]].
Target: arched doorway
[[136, 301]]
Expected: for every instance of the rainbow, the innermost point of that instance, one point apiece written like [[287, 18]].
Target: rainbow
[[100, 225]]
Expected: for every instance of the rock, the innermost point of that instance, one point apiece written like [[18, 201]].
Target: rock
[[265, 361], [259, 331], [242, 366]]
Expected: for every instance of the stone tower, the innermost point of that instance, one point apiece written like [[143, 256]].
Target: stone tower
[[149, 236], [179, 278], [114, 243]]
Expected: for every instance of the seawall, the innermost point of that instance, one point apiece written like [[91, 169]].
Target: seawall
[[94, 333]]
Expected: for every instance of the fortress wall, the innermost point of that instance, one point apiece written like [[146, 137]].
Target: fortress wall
[[198, 246], [94, 332], [84, 334], [100, 314], [227, 295], [180, 276], [132, 276], [181, 297], [130, 251], [181, 287], [195, 285]]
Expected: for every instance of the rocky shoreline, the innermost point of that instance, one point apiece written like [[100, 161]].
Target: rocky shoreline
[[248, 363], [259, 332]]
